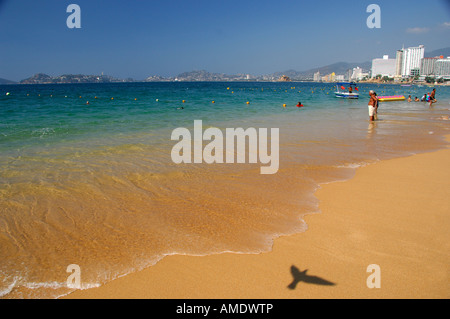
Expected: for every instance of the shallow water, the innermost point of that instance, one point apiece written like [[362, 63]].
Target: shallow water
[[94, 184]]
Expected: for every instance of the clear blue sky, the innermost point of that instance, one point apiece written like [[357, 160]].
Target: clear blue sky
[[142, 38]]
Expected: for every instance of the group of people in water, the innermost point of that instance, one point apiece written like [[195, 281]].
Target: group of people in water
[[427, 97], [373, 102]]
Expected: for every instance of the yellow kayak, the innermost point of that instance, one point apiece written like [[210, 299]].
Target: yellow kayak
[[391, 98]]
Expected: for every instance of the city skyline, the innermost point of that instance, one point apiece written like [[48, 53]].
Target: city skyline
[[138, 40], [395, 68]]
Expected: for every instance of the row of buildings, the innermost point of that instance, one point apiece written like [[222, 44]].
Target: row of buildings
[[355, 74], [409, 63]]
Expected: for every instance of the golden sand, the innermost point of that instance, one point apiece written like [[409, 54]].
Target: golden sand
[[395, 214]]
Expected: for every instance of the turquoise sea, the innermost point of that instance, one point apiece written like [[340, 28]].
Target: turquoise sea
[[86, 175]]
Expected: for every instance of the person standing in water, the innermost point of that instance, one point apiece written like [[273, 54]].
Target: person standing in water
[[375, 115], [372, 105], [433, 96]]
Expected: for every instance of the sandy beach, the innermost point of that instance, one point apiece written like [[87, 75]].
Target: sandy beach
[[394, 213]]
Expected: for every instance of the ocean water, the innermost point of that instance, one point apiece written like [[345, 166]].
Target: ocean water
[[94, 184]]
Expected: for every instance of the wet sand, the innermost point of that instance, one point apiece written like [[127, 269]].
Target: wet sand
[[394, 213]]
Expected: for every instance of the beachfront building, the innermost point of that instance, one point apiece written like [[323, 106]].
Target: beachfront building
[[399, 62], [356, 74], [316, 77], [384, 67], [411, 60], [427, 66], [414, 71], [442, 68], [329, 77], [398, 65], [348, 75], [364, 75]]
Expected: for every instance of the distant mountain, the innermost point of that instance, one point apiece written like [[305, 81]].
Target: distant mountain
[[337, 68], [340, 68], [157, 78], [39, 78], [42, 78], [5, 81], [445, 52], [203, 75]]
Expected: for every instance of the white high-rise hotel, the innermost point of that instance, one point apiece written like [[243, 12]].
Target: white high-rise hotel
[[410, 60]]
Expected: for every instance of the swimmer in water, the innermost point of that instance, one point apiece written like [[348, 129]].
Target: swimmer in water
[[299, 104]]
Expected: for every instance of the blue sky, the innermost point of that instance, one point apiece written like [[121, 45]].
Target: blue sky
[[142, 38]]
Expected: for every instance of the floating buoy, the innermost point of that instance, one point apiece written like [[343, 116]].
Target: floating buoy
[[184, 101], [95, 97], [228, 88], [213, 102], [135, 99], [112, 98], [284, 105], [248, 102], [80, 96]]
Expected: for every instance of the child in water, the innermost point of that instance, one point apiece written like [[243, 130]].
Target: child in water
[[299, 104]]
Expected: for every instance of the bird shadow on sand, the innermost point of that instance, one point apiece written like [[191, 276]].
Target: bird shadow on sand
[[301, 276]]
